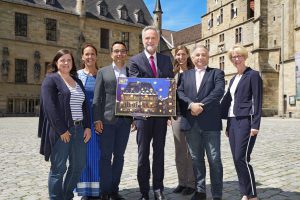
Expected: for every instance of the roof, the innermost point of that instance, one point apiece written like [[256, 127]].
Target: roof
[[92, 9], [184, 36]]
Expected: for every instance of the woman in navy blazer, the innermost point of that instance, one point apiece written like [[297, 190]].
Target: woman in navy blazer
[[64, 125], [241, 106]]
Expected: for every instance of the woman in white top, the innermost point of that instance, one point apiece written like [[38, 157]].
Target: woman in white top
[[242, 106]]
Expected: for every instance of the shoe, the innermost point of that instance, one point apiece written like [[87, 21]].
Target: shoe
[[144, 197], [217, 198], [199, 196], [105, 197], [116, 196], [179, 189], [159, 196], [188, 191]]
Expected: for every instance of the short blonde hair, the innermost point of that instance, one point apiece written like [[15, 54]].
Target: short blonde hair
[[238, 49]]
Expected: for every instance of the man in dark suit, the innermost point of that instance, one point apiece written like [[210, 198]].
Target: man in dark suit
[[202, 89], [150, 64], [114, 131]]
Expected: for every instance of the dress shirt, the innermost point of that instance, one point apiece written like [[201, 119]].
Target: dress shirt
[[199, 72], [154, 59], [232, 91], [119, 72]]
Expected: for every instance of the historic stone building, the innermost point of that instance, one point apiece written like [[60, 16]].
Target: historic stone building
[[262, 26], [32, 31]]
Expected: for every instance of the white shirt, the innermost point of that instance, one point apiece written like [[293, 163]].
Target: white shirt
[[232, 91], [154, 58], [199, 73], [119, 72]]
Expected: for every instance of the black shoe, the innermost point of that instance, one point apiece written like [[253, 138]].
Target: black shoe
[[199, 196], [144, 197], [116, 196], [188, 191], [105, 197], [179, 189], [159, 196], [217, 198]]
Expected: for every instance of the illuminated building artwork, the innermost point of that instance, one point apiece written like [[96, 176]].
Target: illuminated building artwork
[[146, 97]]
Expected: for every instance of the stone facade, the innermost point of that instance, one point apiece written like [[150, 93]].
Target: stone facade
[[256, 24], [77, 22]]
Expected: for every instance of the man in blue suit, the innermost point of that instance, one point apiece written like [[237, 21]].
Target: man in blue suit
[[201, 89], [150, 64]]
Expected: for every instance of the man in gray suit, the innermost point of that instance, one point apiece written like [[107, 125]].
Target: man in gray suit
[[150, 64], [114, 131]]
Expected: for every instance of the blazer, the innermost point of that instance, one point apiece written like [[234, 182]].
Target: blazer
[[55, 111], [104, 101], [247, 98], [139, 66], [210, 93]]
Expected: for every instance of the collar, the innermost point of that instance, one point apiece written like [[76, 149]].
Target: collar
[[200, 69], [148, 55], [115, 67]]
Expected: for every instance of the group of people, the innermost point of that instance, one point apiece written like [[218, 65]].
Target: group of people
[[78, 124]]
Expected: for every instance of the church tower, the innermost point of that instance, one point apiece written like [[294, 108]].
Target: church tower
[[157, 18]]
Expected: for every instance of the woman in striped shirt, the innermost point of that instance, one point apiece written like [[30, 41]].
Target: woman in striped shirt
[[64, 125]]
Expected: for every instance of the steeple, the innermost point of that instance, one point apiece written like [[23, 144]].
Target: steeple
[[157, 18], [157, 7]]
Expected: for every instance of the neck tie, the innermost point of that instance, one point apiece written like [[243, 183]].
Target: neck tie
[[153, 66]]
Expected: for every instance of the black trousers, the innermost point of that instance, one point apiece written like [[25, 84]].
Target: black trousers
[[241, 144], [152, 129]]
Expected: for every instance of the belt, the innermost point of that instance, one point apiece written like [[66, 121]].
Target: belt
[[78, 122]]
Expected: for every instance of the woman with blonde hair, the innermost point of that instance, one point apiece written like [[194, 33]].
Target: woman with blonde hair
[[242, 106]]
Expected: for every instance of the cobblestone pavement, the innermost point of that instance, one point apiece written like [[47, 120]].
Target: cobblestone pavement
[[276, 161]]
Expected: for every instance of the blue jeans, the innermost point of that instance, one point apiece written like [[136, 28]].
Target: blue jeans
[[199, 143], [113, 142], [75, 151]]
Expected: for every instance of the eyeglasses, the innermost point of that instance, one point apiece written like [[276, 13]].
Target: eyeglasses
[[237, 57], [122, 51]]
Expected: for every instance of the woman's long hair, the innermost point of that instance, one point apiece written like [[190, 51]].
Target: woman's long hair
[[189, 63], [86, 45], [52, 67]]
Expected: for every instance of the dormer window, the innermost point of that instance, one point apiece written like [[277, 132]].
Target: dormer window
[[50, 2], [103, 8], [123, 12], [139, 16]]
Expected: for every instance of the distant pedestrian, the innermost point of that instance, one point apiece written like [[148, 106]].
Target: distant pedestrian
[[64, 125], [242, 106]]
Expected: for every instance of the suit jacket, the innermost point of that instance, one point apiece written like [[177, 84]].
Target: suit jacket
[[210, 93], [55, 112], [139, 66], [104, 101], [247, 98]]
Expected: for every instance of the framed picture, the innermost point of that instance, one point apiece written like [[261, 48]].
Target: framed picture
[[146, 96], [292, 100]]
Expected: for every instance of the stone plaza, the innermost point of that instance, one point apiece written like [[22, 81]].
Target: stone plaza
[[275, 159]]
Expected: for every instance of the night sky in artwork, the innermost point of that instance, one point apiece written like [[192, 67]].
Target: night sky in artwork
[[161, 86]]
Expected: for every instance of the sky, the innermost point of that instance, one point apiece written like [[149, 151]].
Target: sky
[[179, 14]]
